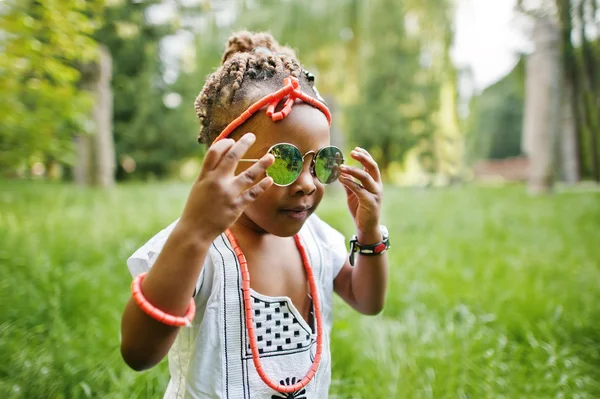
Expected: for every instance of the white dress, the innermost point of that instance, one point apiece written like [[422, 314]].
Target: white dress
[[212, 359]]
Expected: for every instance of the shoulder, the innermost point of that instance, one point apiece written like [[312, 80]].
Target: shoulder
[[329, 241], [323, 231], [145, 256]]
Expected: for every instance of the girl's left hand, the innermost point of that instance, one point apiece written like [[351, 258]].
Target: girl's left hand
[[365, 196]]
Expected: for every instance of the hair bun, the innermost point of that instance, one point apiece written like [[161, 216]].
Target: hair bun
[[246, 42]]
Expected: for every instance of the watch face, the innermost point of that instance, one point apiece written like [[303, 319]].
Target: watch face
[[384, 231]]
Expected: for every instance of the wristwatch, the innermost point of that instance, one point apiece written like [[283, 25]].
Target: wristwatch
[[370, 250]]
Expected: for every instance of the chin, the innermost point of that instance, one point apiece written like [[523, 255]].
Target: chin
[[287, 225], [286, 229]]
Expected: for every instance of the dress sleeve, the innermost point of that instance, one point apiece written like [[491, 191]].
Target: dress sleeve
[[144, 257], [334, 241]]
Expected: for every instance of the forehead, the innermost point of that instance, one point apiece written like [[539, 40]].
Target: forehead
[[306, 127]]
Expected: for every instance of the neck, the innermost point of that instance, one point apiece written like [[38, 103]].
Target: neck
[[246, 228]]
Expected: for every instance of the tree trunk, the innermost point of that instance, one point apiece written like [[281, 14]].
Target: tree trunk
[[542, 105], [82, 167], [591, 92], [568, 139], [386, 158], [103, 115], [95, 153]]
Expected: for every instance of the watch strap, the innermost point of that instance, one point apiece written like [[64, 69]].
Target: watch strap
[[369, 250]]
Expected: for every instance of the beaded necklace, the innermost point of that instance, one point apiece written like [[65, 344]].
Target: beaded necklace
[[250, 323]]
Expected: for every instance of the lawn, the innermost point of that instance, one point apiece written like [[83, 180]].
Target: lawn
[[493, 294]]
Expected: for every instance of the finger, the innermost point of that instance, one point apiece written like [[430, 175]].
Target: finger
[[215, 152], [248, 177], [367, 161], [363, 176], [255, 191], [230, 159], [356, 188], [348, 191]]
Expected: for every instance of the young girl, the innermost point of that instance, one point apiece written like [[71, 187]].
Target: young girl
[[248, 267]]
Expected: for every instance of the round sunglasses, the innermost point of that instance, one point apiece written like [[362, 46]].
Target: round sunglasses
[[289, 161]]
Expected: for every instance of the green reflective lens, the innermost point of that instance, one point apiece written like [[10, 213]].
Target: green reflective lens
[[289, 162], [287, 166], [327, 164]]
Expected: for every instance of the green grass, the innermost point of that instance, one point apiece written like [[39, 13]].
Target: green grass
[[493, 294]]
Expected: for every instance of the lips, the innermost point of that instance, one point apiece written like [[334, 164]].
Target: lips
[[299, 208], [297, 212]]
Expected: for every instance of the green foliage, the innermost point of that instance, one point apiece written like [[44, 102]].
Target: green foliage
[[399, 87], [478, 305], [362, 56], [42, 41], [321, 32], [496, 120], [145, 129]]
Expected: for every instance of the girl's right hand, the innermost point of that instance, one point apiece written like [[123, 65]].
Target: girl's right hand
[[218, 197]]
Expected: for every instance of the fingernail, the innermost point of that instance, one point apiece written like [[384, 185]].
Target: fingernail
[[249, 137], [343, 167]]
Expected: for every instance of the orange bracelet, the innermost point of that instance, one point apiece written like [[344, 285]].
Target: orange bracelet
[[157, 314]]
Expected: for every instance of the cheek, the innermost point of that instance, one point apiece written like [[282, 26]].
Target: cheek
[[319, 193], [267, 202]]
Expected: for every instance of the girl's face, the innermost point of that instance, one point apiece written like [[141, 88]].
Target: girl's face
[[283, 210]]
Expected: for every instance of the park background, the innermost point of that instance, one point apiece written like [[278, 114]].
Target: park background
[[483, 115]]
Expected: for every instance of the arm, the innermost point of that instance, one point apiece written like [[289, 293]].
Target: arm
[[169, 286], [217, 198], [364, 285]]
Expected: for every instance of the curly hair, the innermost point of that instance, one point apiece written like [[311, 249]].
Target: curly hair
[[253, 65]]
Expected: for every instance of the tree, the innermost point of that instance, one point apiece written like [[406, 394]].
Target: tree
[[496, 118], [151, 128], [42, 42], [399, 97], [590, 102], [95, 153], [581, 137], [571, 130], [356, 49]]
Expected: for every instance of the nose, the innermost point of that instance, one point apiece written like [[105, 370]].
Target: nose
[[305, 183]]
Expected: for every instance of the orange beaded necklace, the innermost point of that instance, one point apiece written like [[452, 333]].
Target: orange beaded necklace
[[250, 323]]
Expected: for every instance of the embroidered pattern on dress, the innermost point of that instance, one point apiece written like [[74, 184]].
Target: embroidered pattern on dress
[[293, 395], [277, 328]]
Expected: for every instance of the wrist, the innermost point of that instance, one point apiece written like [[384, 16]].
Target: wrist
[[369, 237], [193, 234], [373, 244]]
